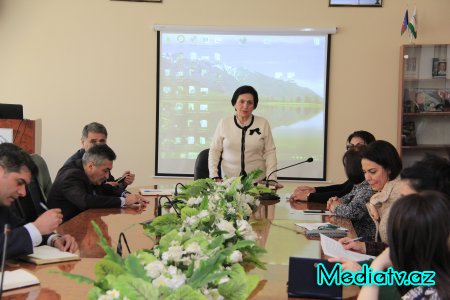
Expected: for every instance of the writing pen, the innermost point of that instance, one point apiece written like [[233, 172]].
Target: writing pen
[[43, 205], [353, 240]]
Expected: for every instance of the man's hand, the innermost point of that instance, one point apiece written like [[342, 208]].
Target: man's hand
[[129, 177], [66, 243], [49, 221], [131, 199]]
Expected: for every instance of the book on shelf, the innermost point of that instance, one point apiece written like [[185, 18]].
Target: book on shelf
[[46, 255], [409, 134], [17, 279]]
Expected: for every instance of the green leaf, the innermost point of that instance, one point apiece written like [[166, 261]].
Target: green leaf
[[110, 253], [186, 292], [134, 288], [135, 268], [106, 267], [145, 257], [188, 212], [79, 278], [94, 293], [240, 285], [208, 270], [166, 240], [161, 225]]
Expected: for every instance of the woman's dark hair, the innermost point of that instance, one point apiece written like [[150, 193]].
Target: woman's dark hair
[[418, 231], [432, 172], [366, 136], [352, 165], [384, 154], [245, 89]]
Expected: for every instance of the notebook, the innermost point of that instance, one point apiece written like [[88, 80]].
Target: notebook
[[18, 278], [302, 282], [46, 255]]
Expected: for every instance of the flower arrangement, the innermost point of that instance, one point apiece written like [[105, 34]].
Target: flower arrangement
[[203, 247]]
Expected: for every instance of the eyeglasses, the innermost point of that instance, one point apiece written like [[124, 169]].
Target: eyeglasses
[[328, 227], [357, 146]]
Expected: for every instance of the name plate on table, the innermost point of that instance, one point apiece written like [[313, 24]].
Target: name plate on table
[[155, 192]]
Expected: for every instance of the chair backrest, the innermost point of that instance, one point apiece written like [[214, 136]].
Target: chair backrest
[[43, 178], [30, 207], [201, 169]]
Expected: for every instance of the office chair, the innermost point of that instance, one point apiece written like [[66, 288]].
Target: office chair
[[201, 169], [43, 178], [30, 207]]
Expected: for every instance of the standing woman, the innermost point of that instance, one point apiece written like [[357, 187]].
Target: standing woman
[[244, 140], [381, 165]]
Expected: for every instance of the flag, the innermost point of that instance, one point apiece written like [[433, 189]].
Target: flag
[[405, 22], [412, 25]]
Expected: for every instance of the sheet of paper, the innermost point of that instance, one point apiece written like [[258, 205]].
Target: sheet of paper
[[314, 226], [18, 278], [47, 252], [334, 249], [155, 192]]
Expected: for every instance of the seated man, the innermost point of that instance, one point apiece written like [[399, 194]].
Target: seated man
[[76, 185], [16, 169], [96, 133]]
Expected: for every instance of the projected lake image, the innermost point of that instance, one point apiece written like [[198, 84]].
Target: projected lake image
[[199, 73]]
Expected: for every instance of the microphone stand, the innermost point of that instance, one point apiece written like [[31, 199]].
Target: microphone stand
[[175, 208], [272, 196], [5, 242]]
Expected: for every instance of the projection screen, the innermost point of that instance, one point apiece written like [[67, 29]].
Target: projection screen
[[200, 68]]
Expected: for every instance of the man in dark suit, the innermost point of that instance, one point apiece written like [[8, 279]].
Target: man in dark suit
[[16, 169], [76, 186], [92, 134]]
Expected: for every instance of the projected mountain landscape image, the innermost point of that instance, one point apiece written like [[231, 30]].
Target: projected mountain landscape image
[[199, 73]]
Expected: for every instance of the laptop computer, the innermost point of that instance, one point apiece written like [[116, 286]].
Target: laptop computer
[[11, 111], [303, 279]]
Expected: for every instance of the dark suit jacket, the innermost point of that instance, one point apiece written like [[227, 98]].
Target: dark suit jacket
[[19, 240], [106, 189], [323, 193], [73, 192]]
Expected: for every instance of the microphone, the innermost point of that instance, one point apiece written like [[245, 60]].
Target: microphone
[[2, 270], [273, 196], [176, 188], [174, 205], [299, 163]]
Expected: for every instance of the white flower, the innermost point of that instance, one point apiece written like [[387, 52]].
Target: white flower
[[224, 280], [194, 248], [174, 253], [194, 201], [115, 294], [224, 225], [174, 279], [110, 295], [189, 221], [203, 214], [236, 256], [154, 269]]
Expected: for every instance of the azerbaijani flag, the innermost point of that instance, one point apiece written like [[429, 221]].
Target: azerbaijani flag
[[412, 25], [405, 22]]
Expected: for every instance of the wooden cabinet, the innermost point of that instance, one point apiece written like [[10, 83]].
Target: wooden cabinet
[[424, 101], [23, 132]]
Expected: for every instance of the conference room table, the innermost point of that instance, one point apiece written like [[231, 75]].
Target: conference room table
[[273, 222]]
